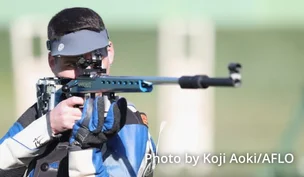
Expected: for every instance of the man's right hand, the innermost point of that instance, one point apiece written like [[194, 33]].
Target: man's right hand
[[65, 114]]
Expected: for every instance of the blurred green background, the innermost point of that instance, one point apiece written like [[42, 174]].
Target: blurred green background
[[265, 36]]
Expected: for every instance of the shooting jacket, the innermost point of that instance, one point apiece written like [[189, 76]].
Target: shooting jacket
[[29, 150]]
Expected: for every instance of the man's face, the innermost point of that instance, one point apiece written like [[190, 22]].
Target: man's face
[[66, 66]]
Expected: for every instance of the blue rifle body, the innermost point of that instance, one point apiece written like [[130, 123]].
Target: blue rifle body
[[109, 85]]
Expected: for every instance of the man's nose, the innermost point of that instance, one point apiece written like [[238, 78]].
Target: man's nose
[[80, 71]]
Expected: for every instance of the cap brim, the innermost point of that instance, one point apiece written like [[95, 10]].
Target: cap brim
[[79, 43]]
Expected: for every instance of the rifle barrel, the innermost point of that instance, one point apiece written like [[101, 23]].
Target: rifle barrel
[[153, 79], [188, 82]]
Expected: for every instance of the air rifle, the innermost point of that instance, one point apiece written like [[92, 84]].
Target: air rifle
[[94, 81]]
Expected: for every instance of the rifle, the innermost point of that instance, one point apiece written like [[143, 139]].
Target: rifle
[[94, 81]]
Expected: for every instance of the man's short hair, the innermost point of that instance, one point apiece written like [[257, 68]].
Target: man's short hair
[[74, 19]]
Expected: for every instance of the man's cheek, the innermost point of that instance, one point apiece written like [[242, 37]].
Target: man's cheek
[[68, 74]]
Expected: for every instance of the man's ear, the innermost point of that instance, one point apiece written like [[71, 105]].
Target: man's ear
[[111, 52], [51, 61]]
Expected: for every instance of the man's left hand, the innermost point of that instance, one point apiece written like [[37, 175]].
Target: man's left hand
[[93, 128]]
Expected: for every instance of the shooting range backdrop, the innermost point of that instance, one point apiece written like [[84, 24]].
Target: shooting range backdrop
[[265, 36]]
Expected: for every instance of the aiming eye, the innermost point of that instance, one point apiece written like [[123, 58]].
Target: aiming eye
[[83, 63]]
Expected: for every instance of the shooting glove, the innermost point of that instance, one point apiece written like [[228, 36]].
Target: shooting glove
[[93, 128]]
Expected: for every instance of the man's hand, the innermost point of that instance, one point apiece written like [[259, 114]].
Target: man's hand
[[94, 128], [64, 115]]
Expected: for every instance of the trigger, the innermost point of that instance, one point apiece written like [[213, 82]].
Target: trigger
[[78, 106]]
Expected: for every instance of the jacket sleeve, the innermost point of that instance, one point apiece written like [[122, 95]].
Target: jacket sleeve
[[24, 140], [128, 154], [131, 153], [86, 163]]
